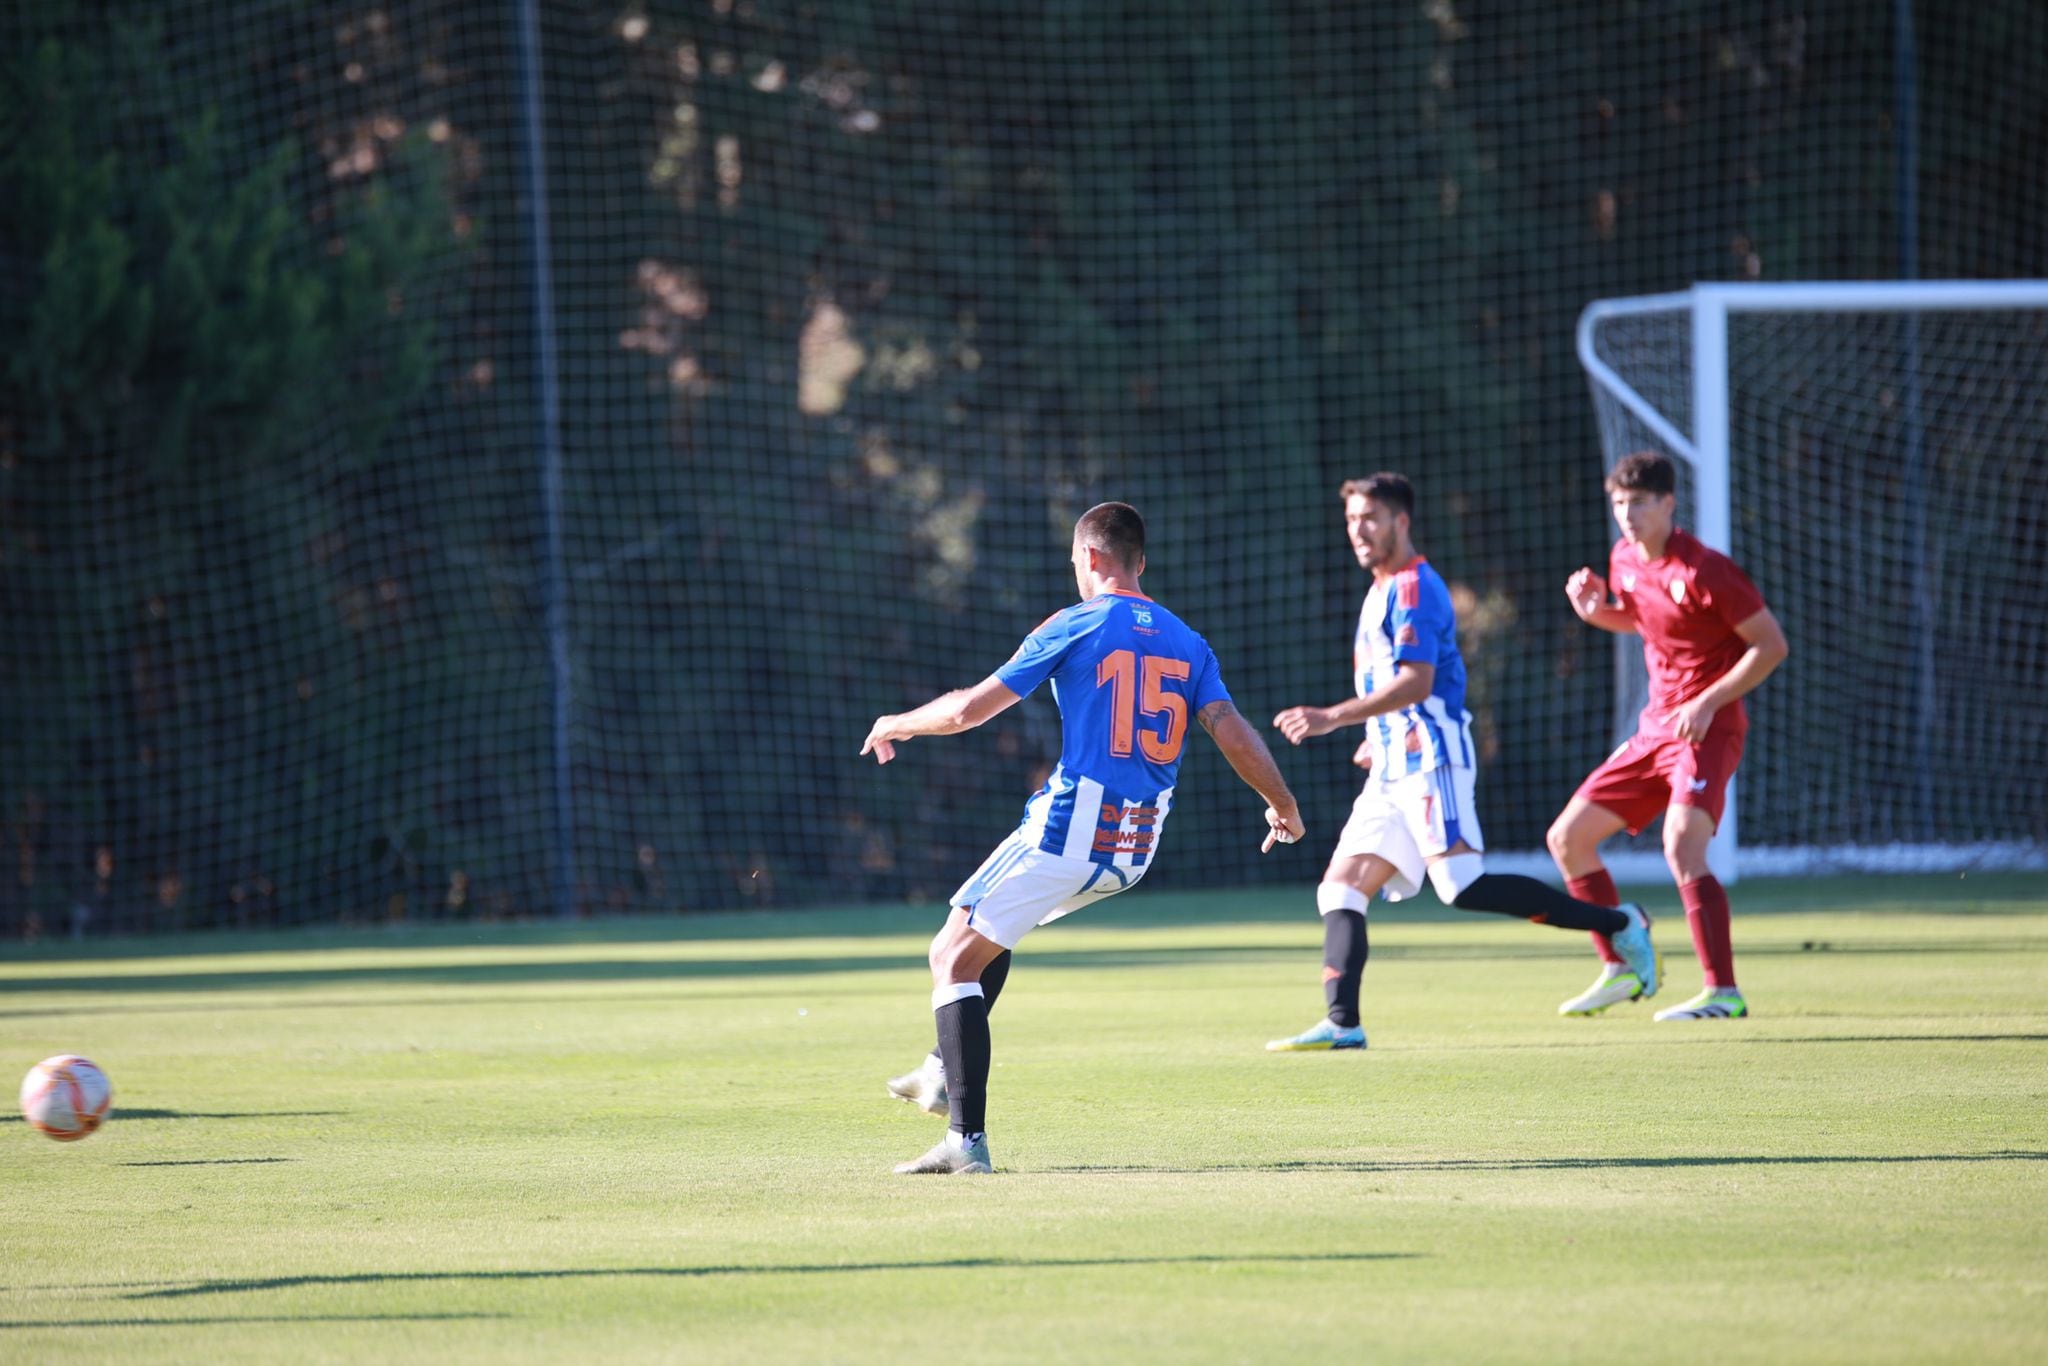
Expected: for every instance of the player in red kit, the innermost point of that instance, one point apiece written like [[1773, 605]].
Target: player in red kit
[[1709, 640]]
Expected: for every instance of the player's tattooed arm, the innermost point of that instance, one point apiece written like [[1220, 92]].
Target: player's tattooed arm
[[1253, 762]]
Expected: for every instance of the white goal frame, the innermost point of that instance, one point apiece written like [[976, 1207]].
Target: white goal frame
[[1706, 450]]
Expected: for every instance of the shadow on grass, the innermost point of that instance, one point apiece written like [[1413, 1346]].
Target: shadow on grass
[[1397, 1166], [239, 1287], [542, 972], [124, 1114], [443, 1000], [211, 1162], [214, 1323], [1159, 906], [1722, 1040]]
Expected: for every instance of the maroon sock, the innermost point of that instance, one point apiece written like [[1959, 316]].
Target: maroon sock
[[1706, 915], [1598, 888]]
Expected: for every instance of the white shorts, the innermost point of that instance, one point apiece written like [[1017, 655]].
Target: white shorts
[[1409, 820], [1020, 887]]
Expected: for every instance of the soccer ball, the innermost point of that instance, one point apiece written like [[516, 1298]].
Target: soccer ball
[[66, 1097]]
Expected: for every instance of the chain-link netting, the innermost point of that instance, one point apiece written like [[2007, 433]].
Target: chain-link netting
[[850, 307]]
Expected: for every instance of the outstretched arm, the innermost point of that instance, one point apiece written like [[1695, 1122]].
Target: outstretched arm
[[948, 714], [1253, 762], [1412, 683]]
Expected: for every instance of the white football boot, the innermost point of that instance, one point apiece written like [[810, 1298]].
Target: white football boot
[[923, 1085], [1616, 986], [1715, 1003], [949, 1157]]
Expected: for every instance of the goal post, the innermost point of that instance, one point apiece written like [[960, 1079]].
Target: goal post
[[1852, 443]]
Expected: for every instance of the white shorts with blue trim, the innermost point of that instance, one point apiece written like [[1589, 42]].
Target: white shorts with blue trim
[[1409, 820], [1020, 887]]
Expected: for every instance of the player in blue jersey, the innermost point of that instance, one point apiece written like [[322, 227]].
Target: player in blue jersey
[[1128, 676], [1416, 819]]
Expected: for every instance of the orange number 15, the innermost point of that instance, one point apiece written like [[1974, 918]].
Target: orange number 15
[[1119, 671]]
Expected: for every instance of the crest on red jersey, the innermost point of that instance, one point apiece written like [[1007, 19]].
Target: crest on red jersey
[[1678, 590]]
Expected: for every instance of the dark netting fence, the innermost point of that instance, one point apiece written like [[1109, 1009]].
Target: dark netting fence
[[374, 544]]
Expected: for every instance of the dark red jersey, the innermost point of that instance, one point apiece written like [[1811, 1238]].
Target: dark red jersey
[[1686, 605]]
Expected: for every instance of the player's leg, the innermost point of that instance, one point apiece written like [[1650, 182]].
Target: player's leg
[[959, 954], [925, 1084], [1443, 813], [1688, 830], [1020, 888], [1574, 841], [1471, 888], [1461, 879], [1375, 853], [992, 979], [1342, 897]]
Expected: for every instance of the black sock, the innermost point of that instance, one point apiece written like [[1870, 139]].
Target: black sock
[[992, 978], [1513, 894], [964, 1048], [1344, 954]]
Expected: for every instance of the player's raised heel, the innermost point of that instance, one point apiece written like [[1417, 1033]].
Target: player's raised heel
[[1615, 986], [923, 1086], [947, 1160], [1638, 954], [1714, 1003], [1323, 1037]]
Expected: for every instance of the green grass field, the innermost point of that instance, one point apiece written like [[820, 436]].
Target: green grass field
[[668, 1140]]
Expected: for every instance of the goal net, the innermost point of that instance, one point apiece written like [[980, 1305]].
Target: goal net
[[1873, 455]]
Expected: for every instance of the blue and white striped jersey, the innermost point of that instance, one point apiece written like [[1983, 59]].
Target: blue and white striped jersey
[[1408, 616], [1129, 676]]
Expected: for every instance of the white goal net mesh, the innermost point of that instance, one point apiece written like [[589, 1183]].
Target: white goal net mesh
[[1888, 491]]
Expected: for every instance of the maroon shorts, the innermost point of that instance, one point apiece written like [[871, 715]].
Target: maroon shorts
[[1652, 772]]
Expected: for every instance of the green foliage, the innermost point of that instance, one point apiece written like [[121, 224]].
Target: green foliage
[[211, 334], [177, 301]]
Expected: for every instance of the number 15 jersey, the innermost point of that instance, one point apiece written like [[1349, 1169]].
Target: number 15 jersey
[[1129, 677]]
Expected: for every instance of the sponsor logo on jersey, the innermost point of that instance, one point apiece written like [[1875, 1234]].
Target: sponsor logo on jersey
[[1628, 583], [1678, 590], [1698, 784]]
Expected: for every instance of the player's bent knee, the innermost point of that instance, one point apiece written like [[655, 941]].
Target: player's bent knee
[[947, 948], [1340, 896], [1685, 868], [1687, 859], [1453, 874]]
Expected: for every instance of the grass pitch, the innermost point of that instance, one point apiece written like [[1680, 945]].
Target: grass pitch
[[668, 1140]]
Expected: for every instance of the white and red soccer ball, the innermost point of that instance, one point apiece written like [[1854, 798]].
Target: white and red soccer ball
[[66, 1097]]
